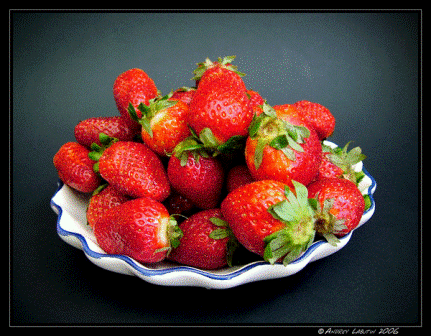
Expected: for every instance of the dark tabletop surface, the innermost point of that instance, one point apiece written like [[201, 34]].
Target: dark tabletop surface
[[363, 66]]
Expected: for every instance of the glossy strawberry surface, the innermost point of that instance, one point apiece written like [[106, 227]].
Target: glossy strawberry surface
[[223, 107], [348, 202], [200, 179], [133, 86], [99, 203], [275, 164], [328, 169], [168, 128], [317, 116], [87, 131], [197, 248], [184, 94], [75, 168], [137, 228], [136, 171], [246, 211]]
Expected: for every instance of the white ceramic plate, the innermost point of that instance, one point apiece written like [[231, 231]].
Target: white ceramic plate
[[72, 227]]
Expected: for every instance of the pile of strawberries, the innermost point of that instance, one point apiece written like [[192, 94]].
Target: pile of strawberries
[[200, 172]]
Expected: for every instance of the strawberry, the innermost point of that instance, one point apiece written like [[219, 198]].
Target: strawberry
[[134, 170], [139, 228], [339, 207], [237, 177], [87, 131], [208, 70], [164, 123], [177, 204], [318, 117], [282, 147], [134, 87], [220, 106], [185, 94], [256, 101], [338, 162], [268, 219], [103, 198], [75, 168], [196, 176], [327, 168], [207, 241]]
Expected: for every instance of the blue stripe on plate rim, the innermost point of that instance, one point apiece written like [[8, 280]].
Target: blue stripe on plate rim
[[157, 272]]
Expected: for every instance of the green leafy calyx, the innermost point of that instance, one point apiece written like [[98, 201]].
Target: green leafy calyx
[[298, 234], [206, 145], [149, 111], [97, 150], [325, 223], [345, 160], [224, 62], [189, 146], [174, 234], [269, 130], [224, 231]]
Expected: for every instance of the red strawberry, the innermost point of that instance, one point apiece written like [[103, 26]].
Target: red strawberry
[[207, 241], [102, 200], [256, 101], [164, 123], [134, 87], [220, 106], [237, 177], [208, 70], [328, 169], [75, 168], [139, 228], [185, 94], [269, 220], [177, 204], [282, 147], [340, 206], [199, 179], [134, 170], [318, 117], [338, 162], [88, 130]]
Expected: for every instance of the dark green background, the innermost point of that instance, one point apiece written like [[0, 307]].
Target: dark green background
[[363, 66]]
